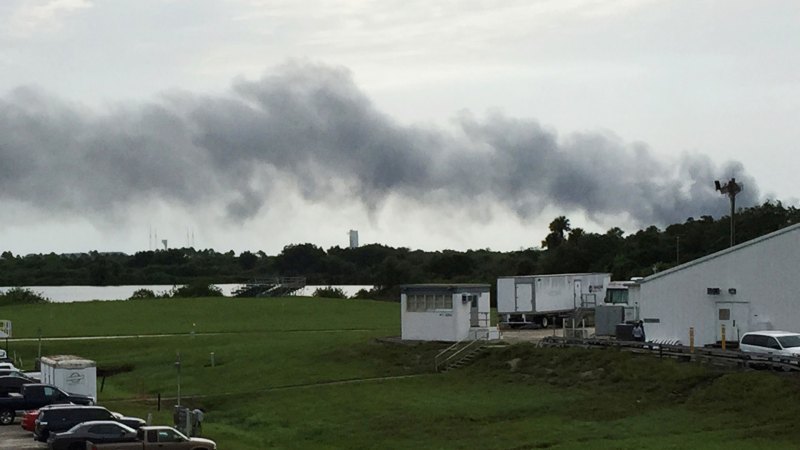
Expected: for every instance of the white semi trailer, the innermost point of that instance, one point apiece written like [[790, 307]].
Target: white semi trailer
[[548, 299]]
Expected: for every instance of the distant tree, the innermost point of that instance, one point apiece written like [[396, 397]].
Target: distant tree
[[558, 227], [197, 289], [21, 296], [329, 292], [142, 294], [301, 259], [247, 260], [450, 264]]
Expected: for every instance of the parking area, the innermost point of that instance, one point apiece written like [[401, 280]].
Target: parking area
[[13, 437]]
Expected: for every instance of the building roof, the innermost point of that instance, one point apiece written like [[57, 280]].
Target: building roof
[[68, 361], [720, 253], [445, 286], [556, 275]]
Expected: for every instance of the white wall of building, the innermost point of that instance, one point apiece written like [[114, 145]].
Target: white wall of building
[[763, 273], [445, 324]]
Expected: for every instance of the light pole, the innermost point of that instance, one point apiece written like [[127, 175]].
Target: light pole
[[731, 188]]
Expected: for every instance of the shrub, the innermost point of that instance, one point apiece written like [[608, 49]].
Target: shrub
[[22, 296], [142, 293], [330, 292], [388, 293], [196, 290], [363, 294]]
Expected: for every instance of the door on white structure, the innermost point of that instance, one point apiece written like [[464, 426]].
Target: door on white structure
[[474, 317], [524, 297], [576, 294], [734, 316]]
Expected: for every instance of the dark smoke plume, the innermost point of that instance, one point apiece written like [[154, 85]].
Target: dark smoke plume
[[312, 124]]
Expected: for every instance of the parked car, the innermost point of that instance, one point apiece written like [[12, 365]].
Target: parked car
[[98, 431], [14, 373], [9, 384], [161, 438], [28, 422], [35, 396], [781, 343], [57, 420]]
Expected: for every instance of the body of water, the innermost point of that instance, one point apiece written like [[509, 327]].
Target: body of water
[[66, 294]]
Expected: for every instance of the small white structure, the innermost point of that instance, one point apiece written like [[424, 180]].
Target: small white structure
[[353, 239], [750, 287], [446, 312], [71, 374], [5, 329]]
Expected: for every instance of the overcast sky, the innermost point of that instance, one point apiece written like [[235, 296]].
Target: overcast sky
[[253, 124]]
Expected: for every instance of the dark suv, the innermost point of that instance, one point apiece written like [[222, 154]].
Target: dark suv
[[62, 419]]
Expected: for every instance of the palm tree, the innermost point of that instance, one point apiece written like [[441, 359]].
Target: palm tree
[[558, 228]]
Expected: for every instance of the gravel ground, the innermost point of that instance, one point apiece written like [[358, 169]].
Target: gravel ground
[[13, 437], [514, 336]]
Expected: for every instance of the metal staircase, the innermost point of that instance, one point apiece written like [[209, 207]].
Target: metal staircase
[[461, 353], [271, 287]]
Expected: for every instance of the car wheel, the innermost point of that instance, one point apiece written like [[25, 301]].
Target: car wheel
[[6, 417], [77, 446]]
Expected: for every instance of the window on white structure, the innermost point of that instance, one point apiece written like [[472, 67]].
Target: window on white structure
[[428, 302]]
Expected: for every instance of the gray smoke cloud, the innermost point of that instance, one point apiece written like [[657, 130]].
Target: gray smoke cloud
[[311, 123]]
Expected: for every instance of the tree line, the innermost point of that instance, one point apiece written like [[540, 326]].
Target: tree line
[[565, 249]]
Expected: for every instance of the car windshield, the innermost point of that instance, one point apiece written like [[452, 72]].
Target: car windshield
[[790, 341]]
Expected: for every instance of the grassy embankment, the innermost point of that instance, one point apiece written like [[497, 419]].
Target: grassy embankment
[[518, 397]]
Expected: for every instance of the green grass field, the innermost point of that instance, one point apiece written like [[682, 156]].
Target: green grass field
[[280, 362]]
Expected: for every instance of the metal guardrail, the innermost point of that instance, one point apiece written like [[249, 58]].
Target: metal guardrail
[[270, 286], [681, 352], [459, 350]]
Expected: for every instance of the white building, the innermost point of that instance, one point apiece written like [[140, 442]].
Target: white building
[[446, 312], [353, 239], [752, 286]]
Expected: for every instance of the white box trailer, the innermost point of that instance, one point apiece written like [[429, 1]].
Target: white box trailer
[[71, 374], [547, 299]]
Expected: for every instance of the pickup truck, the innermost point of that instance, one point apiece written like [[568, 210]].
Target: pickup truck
[[161, 438], [34, 396]]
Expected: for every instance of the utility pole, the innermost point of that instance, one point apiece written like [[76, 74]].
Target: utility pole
[[731, 188], [178, 366]]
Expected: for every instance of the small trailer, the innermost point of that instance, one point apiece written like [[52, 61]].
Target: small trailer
[[72, 374], [548, 299]]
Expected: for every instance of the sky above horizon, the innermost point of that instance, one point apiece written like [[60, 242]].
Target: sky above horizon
[[254, 124]]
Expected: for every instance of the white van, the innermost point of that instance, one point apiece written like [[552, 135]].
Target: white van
[[782, 343]]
